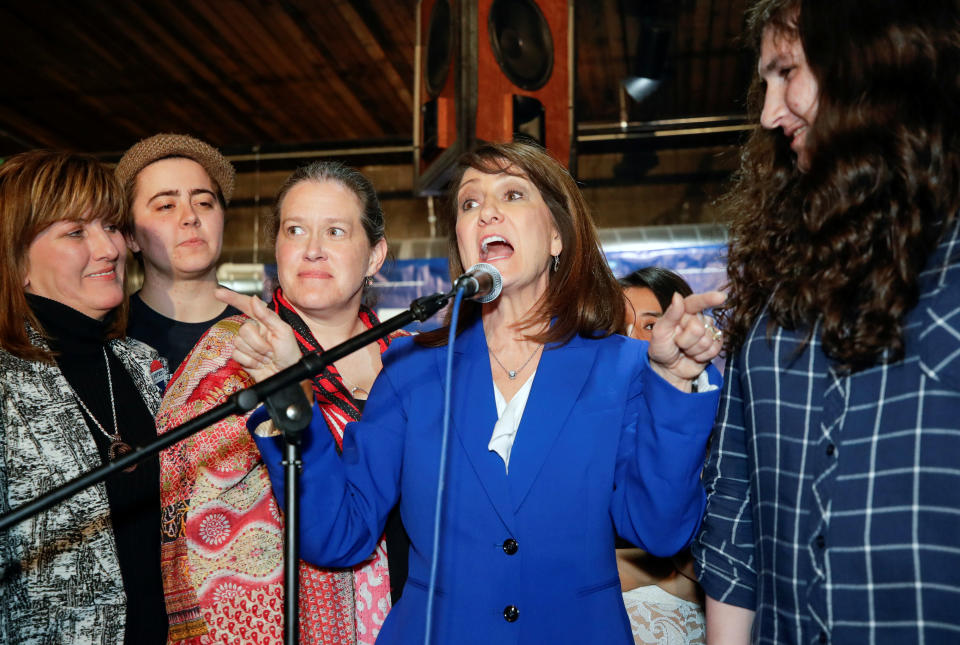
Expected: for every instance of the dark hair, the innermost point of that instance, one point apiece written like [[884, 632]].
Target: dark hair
[[662, 282], [844, 242], [582, 296], [37, 189], [320, 171]]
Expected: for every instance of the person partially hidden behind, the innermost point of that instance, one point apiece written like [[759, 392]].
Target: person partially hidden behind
[[833, 485], [663, 600], [648, 291], [177, 190]]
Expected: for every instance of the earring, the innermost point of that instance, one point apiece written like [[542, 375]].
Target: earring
[[556, 262], [368, 281]]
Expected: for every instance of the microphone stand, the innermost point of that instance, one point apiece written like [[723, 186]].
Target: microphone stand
[[290, 412]]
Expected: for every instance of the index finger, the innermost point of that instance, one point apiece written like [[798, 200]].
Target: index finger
[[674, 312], [234, 299], [252, 306], [697, 302]]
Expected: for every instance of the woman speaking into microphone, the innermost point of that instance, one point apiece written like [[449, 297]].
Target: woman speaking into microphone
[[562, 432]]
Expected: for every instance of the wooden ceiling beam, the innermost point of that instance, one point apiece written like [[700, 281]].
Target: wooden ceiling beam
[[374, 51], [253, 65], [71, 93], [318, 30], [214, 103], [25, 130], [310, 80], [393, 23]]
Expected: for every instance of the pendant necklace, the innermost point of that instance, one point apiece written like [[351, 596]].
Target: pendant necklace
[[118, 447], [512, 374], [354, 389]]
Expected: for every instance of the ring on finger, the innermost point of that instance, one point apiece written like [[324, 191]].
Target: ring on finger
[[713, 331]]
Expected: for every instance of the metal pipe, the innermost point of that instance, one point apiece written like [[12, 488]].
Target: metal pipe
[[330, 152], [652, 134], [663, 123]]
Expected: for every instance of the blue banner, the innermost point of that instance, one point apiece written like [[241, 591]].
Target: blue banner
[[401, 282]]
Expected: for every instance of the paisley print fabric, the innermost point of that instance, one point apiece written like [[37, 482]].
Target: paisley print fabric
[[222, 533]]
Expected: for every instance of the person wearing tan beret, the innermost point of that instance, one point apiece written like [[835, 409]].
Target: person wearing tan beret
[[177, 189]]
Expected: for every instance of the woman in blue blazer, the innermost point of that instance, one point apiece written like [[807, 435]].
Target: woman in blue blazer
[[563, 433]]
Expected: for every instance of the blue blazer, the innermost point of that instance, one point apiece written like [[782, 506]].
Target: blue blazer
[[604, 445]]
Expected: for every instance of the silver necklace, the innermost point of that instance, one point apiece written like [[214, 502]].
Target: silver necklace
[[118, 447], [353, 388], [512, 374]]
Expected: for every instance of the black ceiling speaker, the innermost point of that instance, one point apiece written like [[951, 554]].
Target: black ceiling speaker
[[521, 42], [490, 70], [439, 48]]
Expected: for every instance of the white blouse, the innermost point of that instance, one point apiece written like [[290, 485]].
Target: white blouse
[[508, 420], [509, 415]]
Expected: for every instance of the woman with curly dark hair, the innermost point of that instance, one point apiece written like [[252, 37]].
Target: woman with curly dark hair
[[832, 486]]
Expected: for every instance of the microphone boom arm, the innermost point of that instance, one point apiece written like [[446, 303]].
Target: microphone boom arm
[[237, 403]]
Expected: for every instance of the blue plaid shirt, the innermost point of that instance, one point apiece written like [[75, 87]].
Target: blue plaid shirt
[[833, 502]]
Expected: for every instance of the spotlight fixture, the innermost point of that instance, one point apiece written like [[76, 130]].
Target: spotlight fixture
[[649, 64]]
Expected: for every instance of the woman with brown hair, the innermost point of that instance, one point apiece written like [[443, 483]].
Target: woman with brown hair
[[561, 429], [74, 393], [832, 486], [222, 530]]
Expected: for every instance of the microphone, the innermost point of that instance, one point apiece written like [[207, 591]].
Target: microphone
[[482, 282]]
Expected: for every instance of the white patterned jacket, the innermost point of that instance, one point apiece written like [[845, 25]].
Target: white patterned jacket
[[59, 571]]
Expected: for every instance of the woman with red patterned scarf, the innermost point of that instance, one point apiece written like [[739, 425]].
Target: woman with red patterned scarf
[[222, 530]]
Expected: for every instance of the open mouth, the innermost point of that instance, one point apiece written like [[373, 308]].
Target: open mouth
[[495, 247], [797, 135], [109, 273]]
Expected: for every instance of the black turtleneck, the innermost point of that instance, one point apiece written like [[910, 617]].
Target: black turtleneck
[[78, 342]]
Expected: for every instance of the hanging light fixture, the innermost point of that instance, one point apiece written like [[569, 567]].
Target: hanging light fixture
[[649, 63]]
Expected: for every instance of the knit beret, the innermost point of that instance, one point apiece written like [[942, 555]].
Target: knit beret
[[161, 146]]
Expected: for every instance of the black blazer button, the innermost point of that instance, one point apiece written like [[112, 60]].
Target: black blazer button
[[511, 613], [510, 546]]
